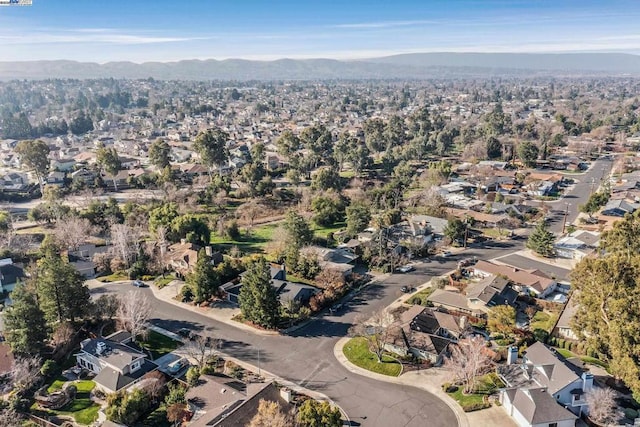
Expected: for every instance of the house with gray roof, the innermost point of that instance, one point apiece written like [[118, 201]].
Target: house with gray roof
[[115, 360], [534, 407], [619, 208], [543, 370]]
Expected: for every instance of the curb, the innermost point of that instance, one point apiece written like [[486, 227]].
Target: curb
[[338, 353], [268, 376]]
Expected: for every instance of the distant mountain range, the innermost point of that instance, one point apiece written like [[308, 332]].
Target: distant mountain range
[[405, 66]]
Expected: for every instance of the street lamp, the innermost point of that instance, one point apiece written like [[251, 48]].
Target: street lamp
[[564, 221]]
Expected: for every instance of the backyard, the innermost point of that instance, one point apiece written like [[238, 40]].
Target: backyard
[[82, 408], [357, 352]]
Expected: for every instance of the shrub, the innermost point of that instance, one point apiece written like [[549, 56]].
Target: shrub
[[193, 376], [630, 413], [415, 300], [470, 407], [561, 343], [186, 294], [48, 367], [449, 388]]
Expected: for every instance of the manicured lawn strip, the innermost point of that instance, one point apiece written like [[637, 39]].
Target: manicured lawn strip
[[115, 277], [161, 282], [323, 232], [158, 344], [422, 296], [469, 402], [357, 352]]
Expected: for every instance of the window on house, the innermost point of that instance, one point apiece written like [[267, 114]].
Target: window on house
[[553, 424]]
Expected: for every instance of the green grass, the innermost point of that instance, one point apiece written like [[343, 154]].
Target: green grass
[[323, 232], [161, 282], [489, 383], [422, 295], [158, 344], [347, 174], [253, 242], [586, 359], [157, 418], [466, 399], [543, 321], [115, 277], [495, 233], [357, 352], [82, 409], [299, 279], [56, 384]]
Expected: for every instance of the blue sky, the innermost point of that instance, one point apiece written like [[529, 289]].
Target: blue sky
[[160, 30]]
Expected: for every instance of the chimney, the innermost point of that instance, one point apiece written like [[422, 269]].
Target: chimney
[[208, 251], [464, 321], [183, 241], [286, 394], [587, 381], [512, 355]]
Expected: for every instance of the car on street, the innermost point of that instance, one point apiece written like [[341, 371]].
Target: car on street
[[177, 366], [406, 268], [445, 254], [336, 308], [139, 284], [407, 289], [184, 332]]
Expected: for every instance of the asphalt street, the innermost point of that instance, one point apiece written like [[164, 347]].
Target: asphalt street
[[586, 184], [306, 355]]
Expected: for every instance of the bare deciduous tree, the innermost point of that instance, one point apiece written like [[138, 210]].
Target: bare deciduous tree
[[468, 359], [602, 405], [330, 278], [25, 373], [201, 348], [10, 418], [63, 334], [376, 330], [270, 414], [72, 231], [249, 211], [126, 241], [133, 312]]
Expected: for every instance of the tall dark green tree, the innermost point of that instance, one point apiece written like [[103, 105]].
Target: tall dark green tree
[[541, 240], [109, 162], [62, 294], [358, 217], [298, 229], [211, 146], [455, 229], [34, 155], [314, 413], [24, 323], [159, 154], [204, 280], [528, 153], [259, 301]]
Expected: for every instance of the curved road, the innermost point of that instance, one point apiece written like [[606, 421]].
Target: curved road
[[306, 355]]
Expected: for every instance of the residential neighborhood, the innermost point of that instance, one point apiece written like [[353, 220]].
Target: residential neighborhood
[[377, 253]]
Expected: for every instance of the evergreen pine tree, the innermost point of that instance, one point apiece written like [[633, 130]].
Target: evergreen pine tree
[[259, 301], [541, 240], [204, 280], [24, 322]]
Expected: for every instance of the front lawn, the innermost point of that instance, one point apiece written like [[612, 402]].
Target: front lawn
[[115, 277], [158, 344], [586, 359], [161, 282], [357, 352], [469, 402], [543, 321], [420, 298]]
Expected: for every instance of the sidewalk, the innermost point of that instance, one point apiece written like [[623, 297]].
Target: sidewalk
[[431, 380], [428, 379]]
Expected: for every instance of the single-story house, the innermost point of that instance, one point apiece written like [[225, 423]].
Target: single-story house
[[619, 208], [287, 290], [534, 407], [492, 291], [563, 327], [419, 333], [115, 360], [454, 301], [530, 281], [577, 245], [227, 402]]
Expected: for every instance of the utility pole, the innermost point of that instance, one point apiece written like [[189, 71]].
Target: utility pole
[[564, 221], [259, 372]]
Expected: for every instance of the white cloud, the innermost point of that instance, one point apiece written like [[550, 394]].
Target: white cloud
[[88, 36], [384, 24]]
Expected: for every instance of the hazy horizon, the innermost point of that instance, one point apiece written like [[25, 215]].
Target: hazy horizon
[[165, 31]]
